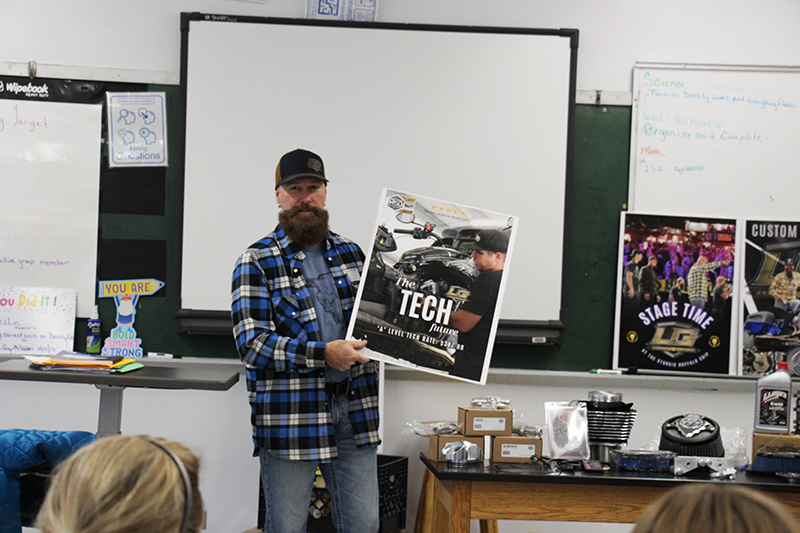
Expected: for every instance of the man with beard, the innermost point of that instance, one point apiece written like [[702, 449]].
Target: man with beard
[[784, 288], [313, 396]]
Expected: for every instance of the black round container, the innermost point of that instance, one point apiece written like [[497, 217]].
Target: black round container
[[693, 435]]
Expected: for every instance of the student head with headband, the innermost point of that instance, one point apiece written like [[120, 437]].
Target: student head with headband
[[122, 483]]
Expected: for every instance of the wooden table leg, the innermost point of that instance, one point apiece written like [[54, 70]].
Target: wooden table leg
[[489, 526], [446, 507], [425, 508], [453, 504]]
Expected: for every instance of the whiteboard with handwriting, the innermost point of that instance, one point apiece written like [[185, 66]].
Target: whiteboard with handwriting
[[50, 183], [715, 140]]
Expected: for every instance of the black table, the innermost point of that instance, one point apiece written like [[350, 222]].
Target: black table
[[173, 374], [504, 491]]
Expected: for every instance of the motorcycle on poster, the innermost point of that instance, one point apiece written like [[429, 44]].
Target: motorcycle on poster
[[770, 306]]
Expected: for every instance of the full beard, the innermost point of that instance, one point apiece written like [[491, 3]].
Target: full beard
[[307, 229]]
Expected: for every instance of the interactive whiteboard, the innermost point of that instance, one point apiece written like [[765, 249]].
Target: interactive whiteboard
[[480, 116]]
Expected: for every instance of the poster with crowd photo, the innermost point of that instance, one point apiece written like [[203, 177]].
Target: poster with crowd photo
[[431, 294], [769, 297], [676, 290]]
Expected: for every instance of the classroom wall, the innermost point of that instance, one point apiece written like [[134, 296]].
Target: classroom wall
[[144, 35], [140, 42]]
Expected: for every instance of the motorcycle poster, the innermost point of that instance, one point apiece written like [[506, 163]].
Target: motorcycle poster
[[675, 307], [431, 294], [770, 306]]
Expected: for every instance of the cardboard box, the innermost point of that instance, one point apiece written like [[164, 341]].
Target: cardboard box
[[437, 442], [515, 449], [479, 421], [775, 443]]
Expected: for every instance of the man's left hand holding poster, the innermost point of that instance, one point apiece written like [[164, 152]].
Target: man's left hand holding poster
[[431, 294]]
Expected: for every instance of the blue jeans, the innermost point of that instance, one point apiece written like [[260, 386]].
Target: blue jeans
[[698, 302], [792, 307], [352, 481]]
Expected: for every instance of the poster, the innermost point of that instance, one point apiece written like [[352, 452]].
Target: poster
[[137, 129], [769, 297], [431, 293], [123, 340], [676, 291], [358, 10], [36, 320]]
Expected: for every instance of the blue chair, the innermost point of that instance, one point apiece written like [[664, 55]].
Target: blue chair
[[23, 449]]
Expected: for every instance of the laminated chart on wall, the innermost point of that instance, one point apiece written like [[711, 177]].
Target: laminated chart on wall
[[137, 129], [358, 10]]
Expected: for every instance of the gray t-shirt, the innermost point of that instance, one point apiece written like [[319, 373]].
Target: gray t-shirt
[[326, 303]]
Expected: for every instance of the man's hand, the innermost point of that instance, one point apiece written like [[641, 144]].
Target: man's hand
[[342, 354]]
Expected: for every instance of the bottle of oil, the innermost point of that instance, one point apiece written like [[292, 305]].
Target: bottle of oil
[[773, 397]]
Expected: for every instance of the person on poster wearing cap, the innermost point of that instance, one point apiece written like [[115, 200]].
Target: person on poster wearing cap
[[474, 320], [784, 288], [313, 396], [630, 287]]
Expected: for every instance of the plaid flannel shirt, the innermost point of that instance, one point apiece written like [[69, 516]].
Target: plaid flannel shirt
[[783, 289], [697, 281], [278, 339]]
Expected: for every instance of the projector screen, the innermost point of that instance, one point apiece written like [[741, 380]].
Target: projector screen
[[475, 116]]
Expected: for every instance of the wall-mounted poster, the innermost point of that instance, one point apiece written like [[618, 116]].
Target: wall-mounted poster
[[358, 10], [675, 302], [431, 294], [137, 129], [36, 320], [770, 304]]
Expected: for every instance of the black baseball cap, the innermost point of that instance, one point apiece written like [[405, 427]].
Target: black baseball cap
[[299, 163], [490, 240]]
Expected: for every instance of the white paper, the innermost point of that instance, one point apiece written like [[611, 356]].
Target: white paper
[[36, 320]]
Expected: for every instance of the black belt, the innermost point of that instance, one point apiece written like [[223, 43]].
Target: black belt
[[336, 389]]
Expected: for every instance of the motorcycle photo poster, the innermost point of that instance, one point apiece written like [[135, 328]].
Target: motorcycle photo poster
[[770, 304], [431, 293], [675, 306]]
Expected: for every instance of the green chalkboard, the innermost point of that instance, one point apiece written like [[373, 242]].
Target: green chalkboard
[[602, 140], [600, 190]]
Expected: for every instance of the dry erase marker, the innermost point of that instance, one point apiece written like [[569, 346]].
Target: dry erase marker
[[605, 371], [163, 355]]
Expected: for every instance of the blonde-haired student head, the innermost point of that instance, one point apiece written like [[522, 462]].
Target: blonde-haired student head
[[125, 484], [716, 508]]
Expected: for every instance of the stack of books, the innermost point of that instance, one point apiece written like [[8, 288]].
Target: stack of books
[[83, 362]]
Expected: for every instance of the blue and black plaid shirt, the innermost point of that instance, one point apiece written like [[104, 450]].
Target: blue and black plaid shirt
[[278, 338]]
